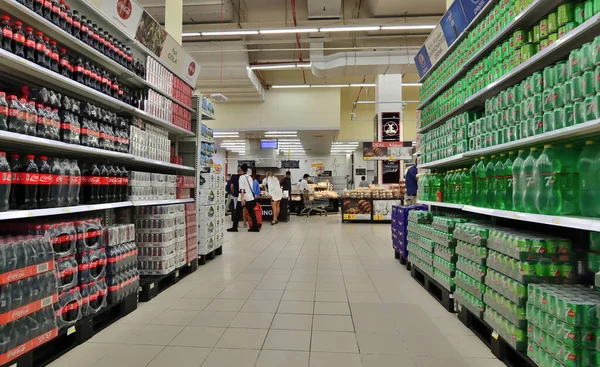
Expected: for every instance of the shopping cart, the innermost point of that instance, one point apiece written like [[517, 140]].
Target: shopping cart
[[311, 205]]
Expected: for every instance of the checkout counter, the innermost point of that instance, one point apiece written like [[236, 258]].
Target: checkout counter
[[267, 210]]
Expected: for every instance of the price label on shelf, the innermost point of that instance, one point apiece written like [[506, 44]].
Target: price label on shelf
[[366, 158], [378, 217], [495, 335], [350, 216], [71, 330]]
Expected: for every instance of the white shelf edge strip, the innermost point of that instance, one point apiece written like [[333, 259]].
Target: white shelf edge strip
[[19, 214]]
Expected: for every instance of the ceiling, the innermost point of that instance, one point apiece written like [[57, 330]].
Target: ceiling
[[314, 142]]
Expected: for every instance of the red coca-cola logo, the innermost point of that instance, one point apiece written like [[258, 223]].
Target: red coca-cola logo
[[17, 351], [192, 68], [19, 274], [124, 9], [18, 313]]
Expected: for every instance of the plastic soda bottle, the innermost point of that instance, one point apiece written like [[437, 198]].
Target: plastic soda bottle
[[437, 188], [445, 181], [466, 187], [569, 180], [519, 182], [421, 187], [459, 180], [481, 183], [499, 183], [474, 186], [508, 194], [589, 179], [532, 183], [490, 182], [547, 170]]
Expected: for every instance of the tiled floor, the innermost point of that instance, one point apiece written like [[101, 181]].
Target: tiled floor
[[311, 292]]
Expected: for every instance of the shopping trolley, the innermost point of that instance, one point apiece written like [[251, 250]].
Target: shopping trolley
[[311, 205]]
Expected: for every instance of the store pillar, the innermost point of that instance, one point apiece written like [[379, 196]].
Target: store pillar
[[388, 103], [174, 18]]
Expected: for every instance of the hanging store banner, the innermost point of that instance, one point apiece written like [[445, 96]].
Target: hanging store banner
[[390, 126], [472, 8], [453, 22], [387, 151], [126, 14], [436, 44], [175, 56]]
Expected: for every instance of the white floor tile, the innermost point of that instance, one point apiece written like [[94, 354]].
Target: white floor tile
[[288, 340], [180, 357], [278, 358], [292, 322], [321, 359], [253, 320], [235, 338]]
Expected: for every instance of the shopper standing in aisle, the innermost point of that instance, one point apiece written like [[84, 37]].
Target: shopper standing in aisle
[[276, 194], [303, 185], [363, 182], [234, 190], [256, 185], [411, 185], [246, 200], [286, 182]]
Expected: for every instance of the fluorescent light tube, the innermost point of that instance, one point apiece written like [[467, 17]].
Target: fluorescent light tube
[[350, 29], [229, 33], [290, 86], [190, 34], [407, 26], [288, 30]]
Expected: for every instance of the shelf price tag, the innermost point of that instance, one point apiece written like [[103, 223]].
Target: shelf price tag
[[367, 158], [495, 335], [71, 330], [151, 286], [378, 217], [176, 273], [556, 221], [350, 216]]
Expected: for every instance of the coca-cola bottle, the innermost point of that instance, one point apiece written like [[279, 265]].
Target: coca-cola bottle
[[74, 183], [129, 58], [69, 23], [83, 192], [15, 124], [47, 10], [31, 181], [56, 185], [79, 71], [87, 74], [16, 178], [47, 52], [64, 65], [5, 182], [32, 119], [101, 41], [94, 78], [76, 28], [94, 35], [124, 184], [105, 84], [109, 50], [95, 180], [63, 196], [45, 183], [115, 87], [40, 49], [42, 128], [54, 57], [38, 7], [3, 112], [55, 124], [29, 44], [85, 32], [62, 12], [7, 34], [18, 46], [111, 192], [55, 12]]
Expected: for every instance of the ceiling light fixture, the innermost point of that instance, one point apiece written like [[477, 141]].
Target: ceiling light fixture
[[289, 86], [288, 30], [229, 33], [407, 27], [363, 85], [279, 66], [351, 29], [280, 132], [291, 30]]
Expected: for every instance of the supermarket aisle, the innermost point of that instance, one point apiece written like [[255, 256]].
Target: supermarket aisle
[[311, 292]]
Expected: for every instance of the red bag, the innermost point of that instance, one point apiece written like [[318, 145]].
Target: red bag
[[257, 212]]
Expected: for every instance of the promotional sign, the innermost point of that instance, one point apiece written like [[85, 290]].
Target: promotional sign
[[361, 171], [217, 167], [126, 14], [422, 61], [453, 22], [387, 151], [382, 209], [326, 174], [391, 172], [319, 167], [175, 56], [436, 44], [390, 126], [290, 164], [472, 7], [356, 209], [151, 34]]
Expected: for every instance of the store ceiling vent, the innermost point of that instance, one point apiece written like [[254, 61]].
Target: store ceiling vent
[[324, 9]]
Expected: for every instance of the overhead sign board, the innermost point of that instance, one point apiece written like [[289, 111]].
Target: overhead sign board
[[387, 151]]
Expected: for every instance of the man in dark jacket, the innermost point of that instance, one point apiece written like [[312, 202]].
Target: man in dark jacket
[[234, 189], [286, 182]]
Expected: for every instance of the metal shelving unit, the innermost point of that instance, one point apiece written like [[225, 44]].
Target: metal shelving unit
[[559, 50]]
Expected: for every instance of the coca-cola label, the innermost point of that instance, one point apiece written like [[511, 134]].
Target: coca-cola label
[[63, 14], [92, 180], [45, 179], [84, 28], [40, 47], [124, 9], [5, 178], [192, 68], [125, 180], [104, 181], [87, 72], [65, 126], [17, 178], [48, 4], [13, 112], [58, 179], [75, 180], [7, 33], [30, 43], [112, 181], [55, 9], [69, 19], [76, 24], [64, 62], [54, 56], [18, 37], [78, 69]]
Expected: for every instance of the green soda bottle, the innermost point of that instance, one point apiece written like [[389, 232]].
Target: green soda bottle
[[508, 179], [569, 180], [481, 183], [589, 179], [436, 188], [532, 183], [546, 172], [499, 183], [444, 185], [459, 181], [474, 185], [467, 187], [519, 182], [423, 190], [448, 189], [490, 182]]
